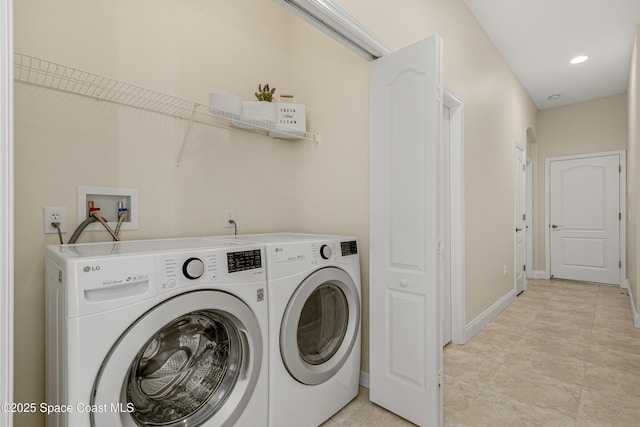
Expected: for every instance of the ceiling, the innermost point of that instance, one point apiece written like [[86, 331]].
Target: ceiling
[[537, 38]]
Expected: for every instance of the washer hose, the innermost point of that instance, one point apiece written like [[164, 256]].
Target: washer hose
[[122, 214], [81, 228], [96, 214]]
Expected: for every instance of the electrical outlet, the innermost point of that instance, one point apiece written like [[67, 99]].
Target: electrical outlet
[[56, 214], [229, 215]]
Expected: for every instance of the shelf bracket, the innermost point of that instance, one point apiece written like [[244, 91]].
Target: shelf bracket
[[186, 134]]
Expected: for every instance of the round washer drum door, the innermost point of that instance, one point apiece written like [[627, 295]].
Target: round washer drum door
[[175, 369], [320, 326]]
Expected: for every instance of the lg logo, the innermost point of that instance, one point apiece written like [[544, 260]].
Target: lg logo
[[89, 268]]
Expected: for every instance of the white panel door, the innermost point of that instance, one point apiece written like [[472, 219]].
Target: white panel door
[[584, 219], [520, 248], [405, 344]]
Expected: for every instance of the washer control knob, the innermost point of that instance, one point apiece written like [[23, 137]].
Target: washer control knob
[[325, 251], [193, 268]]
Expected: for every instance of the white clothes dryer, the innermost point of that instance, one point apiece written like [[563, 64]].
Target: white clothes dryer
[[313, 282], [166, 332]]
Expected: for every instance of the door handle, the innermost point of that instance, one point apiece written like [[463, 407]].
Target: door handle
[[518, 229], [554, 226]]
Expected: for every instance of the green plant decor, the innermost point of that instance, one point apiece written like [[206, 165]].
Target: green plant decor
[[265, 93]]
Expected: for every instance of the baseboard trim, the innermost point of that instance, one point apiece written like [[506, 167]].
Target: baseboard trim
[[541, 274], [632, 306], [491, 313], [364, 379]]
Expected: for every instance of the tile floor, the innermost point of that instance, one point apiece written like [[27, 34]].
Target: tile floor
[[563, 354]]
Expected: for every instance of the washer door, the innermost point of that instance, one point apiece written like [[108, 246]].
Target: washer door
[[202, 365], [320, 326]]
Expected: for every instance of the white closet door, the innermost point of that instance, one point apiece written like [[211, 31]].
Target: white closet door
[[585, 217], [405, 348]]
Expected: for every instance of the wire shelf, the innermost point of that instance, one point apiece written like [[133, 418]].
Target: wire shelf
[[46, 74]]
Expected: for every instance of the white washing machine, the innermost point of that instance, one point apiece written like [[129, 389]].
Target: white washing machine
[[313, 282], [156, 333]]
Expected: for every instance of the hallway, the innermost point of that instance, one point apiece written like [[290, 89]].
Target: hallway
[[563, 354]]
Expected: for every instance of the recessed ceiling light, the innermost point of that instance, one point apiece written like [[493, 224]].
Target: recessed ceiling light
[[579, 59], [553, 97]]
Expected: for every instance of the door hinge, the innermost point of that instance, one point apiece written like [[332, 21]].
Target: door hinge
[[619, 264], [619, 168], [524, 268], [524, 217], [619, 216]]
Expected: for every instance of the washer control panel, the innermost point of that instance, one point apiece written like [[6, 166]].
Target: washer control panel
[[179, 269], [182, 269], [193, 268], [244, 260]]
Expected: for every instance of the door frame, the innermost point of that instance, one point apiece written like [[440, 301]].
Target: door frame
[[530, 231], [6, 208], [517, 147], [456, 232], [623, 207]]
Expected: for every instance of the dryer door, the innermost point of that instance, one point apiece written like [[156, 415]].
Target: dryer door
[[201, 366], [320, 325]]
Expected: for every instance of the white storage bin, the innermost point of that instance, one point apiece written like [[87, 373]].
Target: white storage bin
[[290, 116], [257, 110], [225, 101]]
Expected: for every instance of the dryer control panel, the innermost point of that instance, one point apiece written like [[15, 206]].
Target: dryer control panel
[[324, 251], [332, 250]]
